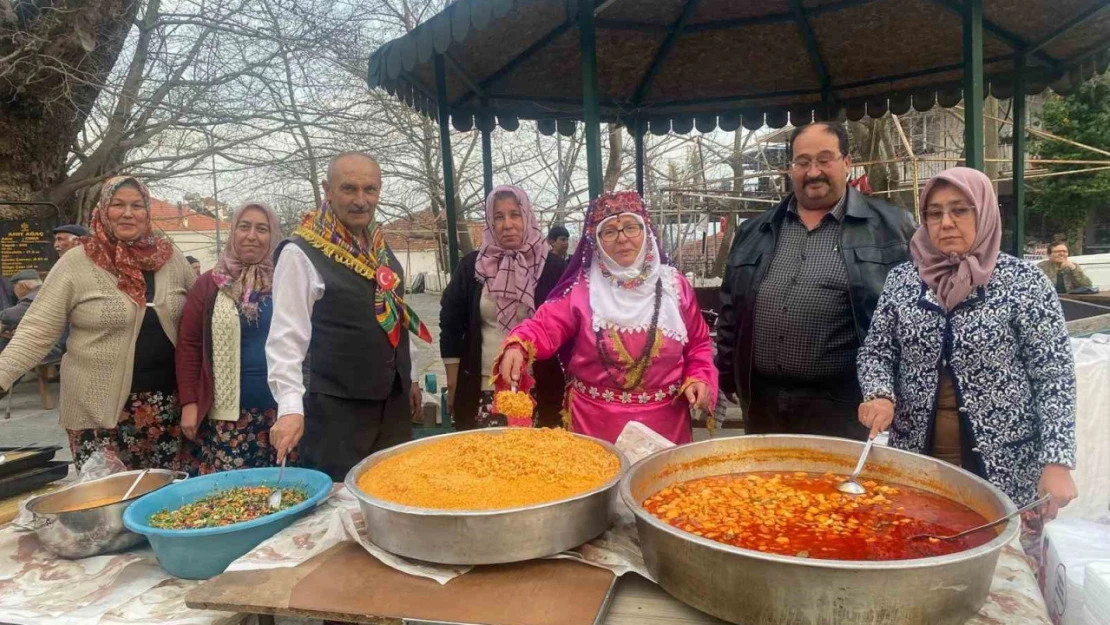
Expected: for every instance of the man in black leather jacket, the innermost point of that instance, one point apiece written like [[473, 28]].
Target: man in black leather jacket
[[800, 288]]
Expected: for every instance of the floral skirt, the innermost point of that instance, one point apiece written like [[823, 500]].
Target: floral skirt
[[242, 444], [147, 435], [487, 418]]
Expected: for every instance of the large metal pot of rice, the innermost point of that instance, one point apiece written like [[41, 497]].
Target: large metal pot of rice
[[754, 588], [471, 537]]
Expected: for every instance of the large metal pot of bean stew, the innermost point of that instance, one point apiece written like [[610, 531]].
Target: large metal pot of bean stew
[[752, 587]]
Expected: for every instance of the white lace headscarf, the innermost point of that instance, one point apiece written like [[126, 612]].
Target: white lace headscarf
[[621, 301]]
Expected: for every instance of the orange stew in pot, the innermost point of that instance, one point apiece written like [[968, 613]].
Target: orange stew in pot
[[803, 514]]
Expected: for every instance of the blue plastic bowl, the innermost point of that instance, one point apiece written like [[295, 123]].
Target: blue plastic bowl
[[206, 552]]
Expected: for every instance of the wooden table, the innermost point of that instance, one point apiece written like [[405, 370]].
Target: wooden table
[[347, 584], [631, 600], [9, 508]]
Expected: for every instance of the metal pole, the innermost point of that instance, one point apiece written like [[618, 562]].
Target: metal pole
[[448, 164], [638, 139], [1019, 155], [591, 112], [487, 162], [973, 83], [487, 157]]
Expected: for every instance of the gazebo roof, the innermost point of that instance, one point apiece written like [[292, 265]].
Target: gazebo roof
[[681, 64]]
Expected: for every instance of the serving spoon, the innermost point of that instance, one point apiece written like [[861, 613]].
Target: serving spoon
[[851, 486], [1036, 503], [275, 497], [138, 479]]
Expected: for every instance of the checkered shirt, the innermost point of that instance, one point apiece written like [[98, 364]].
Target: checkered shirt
[[803, 315]]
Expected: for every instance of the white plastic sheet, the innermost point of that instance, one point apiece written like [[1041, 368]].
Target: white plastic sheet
[[1096, 588], [1092, 428], [1070, 545]]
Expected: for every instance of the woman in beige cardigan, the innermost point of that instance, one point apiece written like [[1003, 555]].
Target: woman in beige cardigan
[[122, 292]]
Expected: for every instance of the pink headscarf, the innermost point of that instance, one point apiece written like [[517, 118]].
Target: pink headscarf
[[248, 285], [954, 276], [510, 276]]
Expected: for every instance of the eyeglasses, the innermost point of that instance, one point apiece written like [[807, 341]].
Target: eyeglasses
[[934, 216], [630, 231], [823, 161]]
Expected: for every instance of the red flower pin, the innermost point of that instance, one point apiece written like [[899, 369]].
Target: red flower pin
[[385, 278]]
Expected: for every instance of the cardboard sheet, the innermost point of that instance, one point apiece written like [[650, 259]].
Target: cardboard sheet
[[352, 583]]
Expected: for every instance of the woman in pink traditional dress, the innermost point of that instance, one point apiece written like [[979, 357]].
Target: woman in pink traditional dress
[[627, 327]]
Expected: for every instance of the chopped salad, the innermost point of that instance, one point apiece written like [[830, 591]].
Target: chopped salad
[[234, 505]]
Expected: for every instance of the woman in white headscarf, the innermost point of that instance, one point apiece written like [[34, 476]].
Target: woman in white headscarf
[[628, 328]]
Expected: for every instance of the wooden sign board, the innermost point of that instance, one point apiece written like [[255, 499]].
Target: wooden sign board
[[26, 244]]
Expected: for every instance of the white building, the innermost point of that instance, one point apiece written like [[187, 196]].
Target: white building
[[417, 242], [190, 232]]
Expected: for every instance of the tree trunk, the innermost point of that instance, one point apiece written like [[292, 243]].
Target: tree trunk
[[43, 105], [736, 161], [613, 165]]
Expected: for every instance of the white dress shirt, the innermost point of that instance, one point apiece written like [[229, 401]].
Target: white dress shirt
[[297, 288]]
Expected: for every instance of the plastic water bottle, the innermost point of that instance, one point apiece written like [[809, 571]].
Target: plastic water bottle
[[444, 417]]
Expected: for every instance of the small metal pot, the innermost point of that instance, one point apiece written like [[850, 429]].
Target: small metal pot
[[92, 531]]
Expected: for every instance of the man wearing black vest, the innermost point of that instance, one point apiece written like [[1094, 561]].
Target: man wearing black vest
[[338, 353]]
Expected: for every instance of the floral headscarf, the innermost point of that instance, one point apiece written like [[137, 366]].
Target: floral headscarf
[[127, 260], [247, 285], [509, 277]]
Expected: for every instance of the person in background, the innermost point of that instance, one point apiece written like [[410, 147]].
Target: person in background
[[26, 284], [800, 286], [628, 327], [968, 359], [558, 238], [1063, 273], [195, 264], [68, 237], [7, 293], [226, 405], [491, 292], [122, 292], [338, 305]]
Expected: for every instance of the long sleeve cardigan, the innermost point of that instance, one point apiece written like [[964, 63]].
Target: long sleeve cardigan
[[104, 326], [1011, 363], [194, 362]]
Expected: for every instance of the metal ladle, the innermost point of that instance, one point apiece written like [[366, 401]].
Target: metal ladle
[[275, 497], [1036, 503], [851, 486], [138, 479]]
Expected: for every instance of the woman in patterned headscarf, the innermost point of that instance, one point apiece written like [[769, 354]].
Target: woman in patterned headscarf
[[492, 291], [122, 296], [628, 328], [226, 405]]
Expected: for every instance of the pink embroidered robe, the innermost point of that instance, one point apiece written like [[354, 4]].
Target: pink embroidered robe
[[596, 400]]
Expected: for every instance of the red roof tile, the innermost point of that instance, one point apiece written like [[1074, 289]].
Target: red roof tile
[[416, 232], [165, 217], [694, 256]]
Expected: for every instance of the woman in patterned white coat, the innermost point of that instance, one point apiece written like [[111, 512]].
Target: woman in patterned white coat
[[967, 358]]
